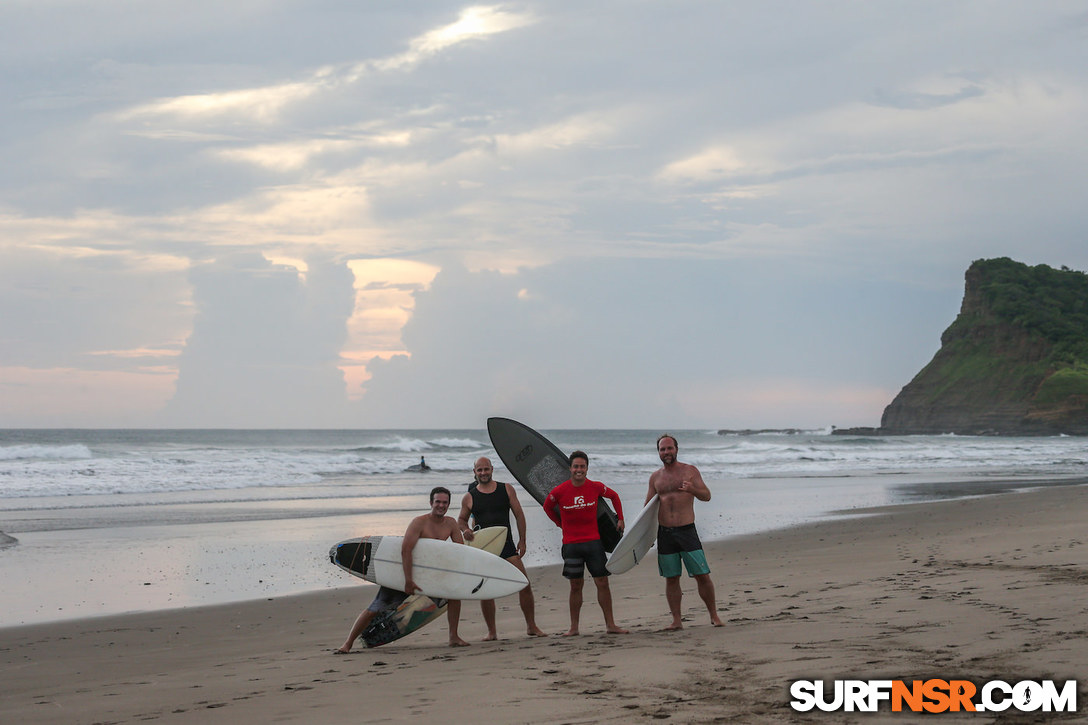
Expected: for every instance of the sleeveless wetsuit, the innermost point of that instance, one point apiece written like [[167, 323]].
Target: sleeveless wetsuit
[[493, 509]]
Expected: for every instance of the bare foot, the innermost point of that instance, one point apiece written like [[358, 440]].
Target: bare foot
[[458, 642], [618, 630], [490, 638], [673, 627], [571, 633], [537, 632], [716, 622], [341, 651]]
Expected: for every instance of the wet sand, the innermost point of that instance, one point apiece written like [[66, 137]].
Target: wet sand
[[979, 589]]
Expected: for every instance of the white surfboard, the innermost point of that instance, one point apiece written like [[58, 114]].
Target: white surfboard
[[442, 569], [637, 539], [419, 610]]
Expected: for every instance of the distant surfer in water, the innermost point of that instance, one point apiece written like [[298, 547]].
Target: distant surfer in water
[[677, 485], [490, 503], [423, 464], [433, 525], [572, 505]]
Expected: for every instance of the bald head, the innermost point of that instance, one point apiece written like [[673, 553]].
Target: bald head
[[483, 470]]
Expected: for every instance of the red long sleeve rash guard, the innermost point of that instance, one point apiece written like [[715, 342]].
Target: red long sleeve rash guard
[[574, 509]]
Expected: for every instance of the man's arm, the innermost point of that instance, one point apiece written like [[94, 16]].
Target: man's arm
[[694, 485], [615, 499], [519, 517], [453, 531], [462, 518], [652, 490], [551, 508], [411, 536]]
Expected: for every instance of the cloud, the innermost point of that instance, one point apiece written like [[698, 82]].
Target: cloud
[[926, 101], [801, 191], [474, 22], [265, 345], [260, 105], [77, 308], [295, 155], [78, 397], [582, 344], [87, 337], [266, 104]]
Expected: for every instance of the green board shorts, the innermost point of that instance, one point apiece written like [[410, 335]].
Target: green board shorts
[[676, 544]]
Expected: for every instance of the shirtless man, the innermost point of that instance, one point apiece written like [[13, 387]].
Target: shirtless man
[[677, 485], [434, 525], [490, 503], [572, 505]]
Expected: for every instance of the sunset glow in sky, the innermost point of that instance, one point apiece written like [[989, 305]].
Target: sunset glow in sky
[[278, 213]]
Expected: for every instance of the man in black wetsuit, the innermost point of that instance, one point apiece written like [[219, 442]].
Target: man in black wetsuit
[[490, 503]]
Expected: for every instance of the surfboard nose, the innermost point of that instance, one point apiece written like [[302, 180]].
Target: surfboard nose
[[354, 555]]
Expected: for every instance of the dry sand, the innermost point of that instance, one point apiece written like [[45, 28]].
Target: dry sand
[[980, 589]]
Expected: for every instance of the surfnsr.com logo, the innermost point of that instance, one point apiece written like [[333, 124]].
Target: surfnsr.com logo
[[934, 696]]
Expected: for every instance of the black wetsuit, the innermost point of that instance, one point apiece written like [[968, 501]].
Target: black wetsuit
[[493, 509]]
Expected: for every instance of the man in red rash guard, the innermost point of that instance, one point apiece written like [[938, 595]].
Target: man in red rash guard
[[572, 505]]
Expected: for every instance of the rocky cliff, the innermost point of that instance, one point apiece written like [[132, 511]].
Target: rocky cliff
[[1014, 362]]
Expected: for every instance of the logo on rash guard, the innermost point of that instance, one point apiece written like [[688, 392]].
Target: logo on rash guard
[[578, 503]]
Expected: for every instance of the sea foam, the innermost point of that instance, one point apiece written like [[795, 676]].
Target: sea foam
[[44, 452]]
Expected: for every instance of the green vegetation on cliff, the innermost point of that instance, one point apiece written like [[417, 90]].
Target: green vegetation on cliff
[[1049, 302], [1063, 386], [1015, 360]]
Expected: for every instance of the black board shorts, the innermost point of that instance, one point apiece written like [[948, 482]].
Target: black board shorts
[[386, 599], [584, 555], [674, 539], [509, 549]]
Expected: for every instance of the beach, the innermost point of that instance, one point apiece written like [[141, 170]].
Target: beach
[[978, 589], [123, 521]]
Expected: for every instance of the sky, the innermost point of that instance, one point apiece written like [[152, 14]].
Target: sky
[[621, 214]]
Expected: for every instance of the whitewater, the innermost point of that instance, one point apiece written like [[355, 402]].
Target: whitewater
[[95, 522]]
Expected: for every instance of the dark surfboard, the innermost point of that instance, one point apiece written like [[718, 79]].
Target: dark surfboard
[[539, 466]]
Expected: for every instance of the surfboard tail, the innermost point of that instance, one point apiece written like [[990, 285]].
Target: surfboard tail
[[608, 526]]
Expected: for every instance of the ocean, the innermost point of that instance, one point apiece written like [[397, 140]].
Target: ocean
[[110, 521]]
